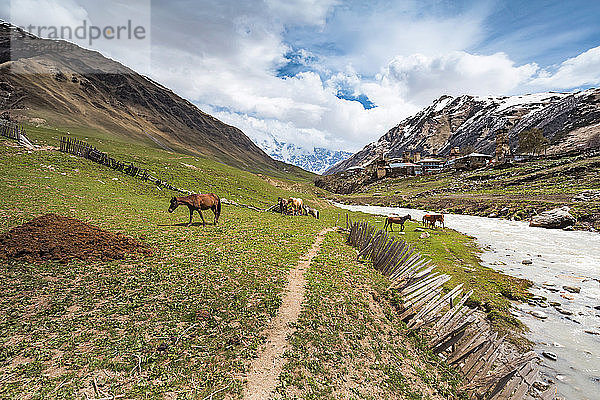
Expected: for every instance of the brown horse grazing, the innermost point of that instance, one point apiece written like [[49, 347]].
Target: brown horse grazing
[[431, 219], [198, 202], [396, 220]]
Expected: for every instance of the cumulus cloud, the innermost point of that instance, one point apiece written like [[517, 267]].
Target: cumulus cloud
[[228, 56], [422, 78], [575, 72]]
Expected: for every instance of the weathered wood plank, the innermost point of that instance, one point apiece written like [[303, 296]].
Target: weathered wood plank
[[414, 308], [490, 349], [425, 286], [452, 312], [450, 342], [436, 305]]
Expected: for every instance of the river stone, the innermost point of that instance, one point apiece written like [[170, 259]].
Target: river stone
[[572, 289], [527, 262], [597, 307], [538, 314], [541, 386], [550, 355], [567, 296], [557, 218], [563, 311], [588, 195], [572, 320]]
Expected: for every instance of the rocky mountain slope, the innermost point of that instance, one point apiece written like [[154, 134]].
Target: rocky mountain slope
[[568, 121], [61, 84], [316, 160]]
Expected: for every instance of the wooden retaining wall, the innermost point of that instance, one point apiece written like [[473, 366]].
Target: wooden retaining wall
[[454, 331]]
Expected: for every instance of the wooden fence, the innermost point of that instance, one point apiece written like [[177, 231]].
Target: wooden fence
[[85, 150], [454, 331], [82, 149], [15, 131]]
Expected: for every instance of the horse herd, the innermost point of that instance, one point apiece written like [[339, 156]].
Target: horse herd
[[289, 206], [201, 202], [295, 206], [429, 220]]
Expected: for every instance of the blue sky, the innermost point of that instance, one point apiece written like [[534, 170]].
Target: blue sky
[[543, 32], [339, 74]]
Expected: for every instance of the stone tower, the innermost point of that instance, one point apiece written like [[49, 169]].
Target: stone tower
[[502, 147]]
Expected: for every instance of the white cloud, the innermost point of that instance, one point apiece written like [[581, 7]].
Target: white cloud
[[421, 78], [574, 72], [224, 56], [46, 12]]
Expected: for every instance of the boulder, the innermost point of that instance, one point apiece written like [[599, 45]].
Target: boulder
[[567, 296], [538, 314], [572, 289], [557, 218]]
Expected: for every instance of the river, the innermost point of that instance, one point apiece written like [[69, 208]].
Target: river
[[558, 259]]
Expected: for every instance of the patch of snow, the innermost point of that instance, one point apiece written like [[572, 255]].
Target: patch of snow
[[317, 160], [442, 103]]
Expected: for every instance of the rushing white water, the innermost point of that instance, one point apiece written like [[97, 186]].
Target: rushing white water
[[558, 258]]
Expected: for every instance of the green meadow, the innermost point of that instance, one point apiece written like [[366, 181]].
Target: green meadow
[[185, 321]]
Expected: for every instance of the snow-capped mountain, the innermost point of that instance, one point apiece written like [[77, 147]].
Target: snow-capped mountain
[[568, 121], [317, 160]]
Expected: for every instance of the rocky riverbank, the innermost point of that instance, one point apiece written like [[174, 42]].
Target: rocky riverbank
[[518, 193]]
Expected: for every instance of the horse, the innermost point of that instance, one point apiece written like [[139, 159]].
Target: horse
[[311, 211], [282, 205], [297, 205], [396, 220], [198, 202], [431, 219]]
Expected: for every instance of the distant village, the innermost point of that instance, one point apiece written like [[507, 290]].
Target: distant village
[[412, 163]]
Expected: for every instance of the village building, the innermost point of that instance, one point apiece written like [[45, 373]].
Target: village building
[[431, 165], [404, 169], [454, 153], [503, 153], [354, 170], [469, 162], [381, 167]]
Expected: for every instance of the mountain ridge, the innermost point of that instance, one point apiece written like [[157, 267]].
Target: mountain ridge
[[567, 120], [65, 85], [317, 159]]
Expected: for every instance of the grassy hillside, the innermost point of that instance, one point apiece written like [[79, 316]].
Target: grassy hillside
[[517, 192], [185, 321], [61, 84]]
